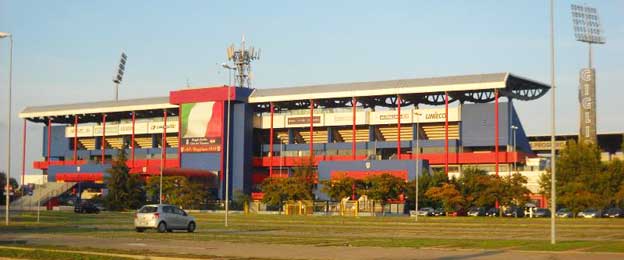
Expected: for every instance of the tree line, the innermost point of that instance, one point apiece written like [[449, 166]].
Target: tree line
[[129, 191], [473, 188], [584, 181]]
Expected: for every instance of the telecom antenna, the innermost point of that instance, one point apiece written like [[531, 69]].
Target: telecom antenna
[[242, 59], [587, 29]]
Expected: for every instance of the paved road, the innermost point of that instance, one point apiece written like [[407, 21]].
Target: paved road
[[280, 251]]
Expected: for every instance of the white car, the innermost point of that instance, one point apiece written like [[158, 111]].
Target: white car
[[163, 217]]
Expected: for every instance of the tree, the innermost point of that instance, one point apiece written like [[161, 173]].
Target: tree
[[177, 190], [384, 187], [474, 185], [511, 190], [448, 195], [425, 182], [341, 187], [582, 179], [299, 186], [125, 191]]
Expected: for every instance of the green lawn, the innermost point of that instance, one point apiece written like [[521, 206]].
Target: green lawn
[[600, 235]]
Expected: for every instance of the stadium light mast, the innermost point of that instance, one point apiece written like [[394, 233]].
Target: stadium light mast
[[587, 29], [121, 68], [8, 171]]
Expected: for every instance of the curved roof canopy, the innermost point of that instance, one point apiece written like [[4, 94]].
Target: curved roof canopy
[[478, 88]]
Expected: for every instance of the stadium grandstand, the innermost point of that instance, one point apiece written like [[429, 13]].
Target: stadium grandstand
[[352, 129]]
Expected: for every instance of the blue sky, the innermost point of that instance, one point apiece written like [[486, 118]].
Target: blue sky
[[66, 51]]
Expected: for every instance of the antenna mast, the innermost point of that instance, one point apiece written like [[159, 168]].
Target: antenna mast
[[242, 58]]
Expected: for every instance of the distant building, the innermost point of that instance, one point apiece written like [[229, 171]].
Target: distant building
[[610, 144]]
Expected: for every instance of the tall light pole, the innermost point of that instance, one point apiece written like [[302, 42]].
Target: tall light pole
[[8, 172], [227, 151], [553, 182], [417, 159], [513, 130]]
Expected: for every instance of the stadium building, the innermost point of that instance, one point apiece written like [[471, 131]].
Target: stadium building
[[351, 129]]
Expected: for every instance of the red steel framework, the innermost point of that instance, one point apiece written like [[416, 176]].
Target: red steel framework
[[353, 144], [75, 138], [49, 138], [164, 138], [446, 134], [103, 144], [179, 135], [398, 127], [132, 138], [311, 128], [271, 140]]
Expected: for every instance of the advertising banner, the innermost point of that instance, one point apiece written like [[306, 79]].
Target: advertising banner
[[435, 115], [587, 99], [303, 120], [139, 128], [83, 131], [202, 127], [157, 127], [390, 117]]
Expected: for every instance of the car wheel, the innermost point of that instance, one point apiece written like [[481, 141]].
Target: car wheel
[[140, 230], [191, 227], [162, 227]]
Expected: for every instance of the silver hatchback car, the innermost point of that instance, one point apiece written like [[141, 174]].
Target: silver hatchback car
[[163, 217]]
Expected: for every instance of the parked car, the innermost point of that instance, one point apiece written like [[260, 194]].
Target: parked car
[[439, 212], [163, 217], [613, 213], [476, 212], [514, 212], [590, 213], [541, 213], [493, 212], [85, 206], [457, 213], [564, 213], [426, 212]]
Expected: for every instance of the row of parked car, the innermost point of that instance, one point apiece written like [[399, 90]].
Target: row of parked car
[[518, 212]]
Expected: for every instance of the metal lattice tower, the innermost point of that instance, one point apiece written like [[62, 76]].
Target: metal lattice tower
[[242, 58]]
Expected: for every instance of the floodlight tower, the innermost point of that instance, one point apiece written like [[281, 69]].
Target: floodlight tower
[[587, 28], [242, 60]]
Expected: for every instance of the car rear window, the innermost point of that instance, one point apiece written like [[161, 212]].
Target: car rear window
[[149, 209]]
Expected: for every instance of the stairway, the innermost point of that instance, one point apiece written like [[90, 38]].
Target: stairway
[[320, 136], [391, 133], [436, 131], [114, 142], [172, 141], [361, 135], [143, 141], [41, 194], [87, 143]]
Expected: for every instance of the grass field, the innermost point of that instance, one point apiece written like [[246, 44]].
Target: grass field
[[595, 235]]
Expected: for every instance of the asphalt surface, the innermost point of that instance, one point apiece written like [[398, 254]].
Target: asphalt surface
[[280, 251]]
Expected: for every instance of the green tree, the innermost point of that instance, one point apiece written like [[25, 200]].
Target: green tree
[[510, 190], [177, 190], [425, 182], [125, 191], [384, 187], [582, 180], [299, 186], [448, 195], [341, 187], [474, 184]]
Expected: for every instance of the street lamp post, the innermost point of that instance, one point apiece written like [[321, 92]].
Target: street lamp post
[[553, 194], [8, 171], [227, 145], [417, 158]]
